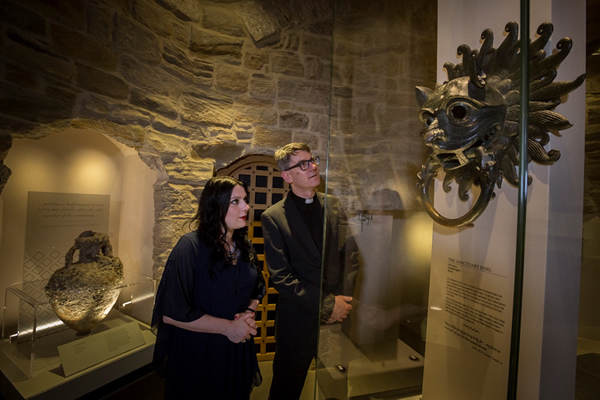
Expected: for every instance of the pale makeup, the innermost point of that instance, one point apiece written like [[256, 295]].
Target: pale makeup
[[237, 213]]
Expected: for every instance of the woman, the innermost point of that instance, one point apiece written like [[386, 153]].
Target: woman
[[205, 303]]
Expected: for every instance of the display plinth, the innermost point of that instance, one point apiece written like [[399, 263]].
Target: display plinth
[[39, 331], [49, 383], [346, 372]]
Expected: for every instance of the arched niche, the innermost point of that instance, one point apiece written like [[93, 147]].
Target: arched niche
[[82, 162]]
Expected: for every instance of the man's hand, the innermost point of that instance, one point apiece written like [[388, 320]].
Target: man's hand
[[341, 309]]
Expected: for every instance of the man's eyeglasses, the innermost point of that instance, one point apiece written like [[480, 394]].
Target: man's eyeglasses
[[304, 164]]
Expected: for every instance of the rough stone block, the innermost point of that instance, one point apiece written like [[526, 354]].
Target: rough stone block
[[271, 138], [127, 115], [157, 104], [308, 138], [174, 128], [243, 130], [154, 18], [261, 87], [69, 13], [207, 107], [255, 59], [180, 35], [187, 10], [256, 115], [323, 27], [212, 45], [222, 152], [223, 20], [62, 94], [176, 56], [318, 46], [313, 69], [134, 39], [30, 106], [130, 135], [262, 20], [167, 231], [12, 14], [40, 62], [93, 106], [75, 45], [100, 82], [231, 79], [99, 24], [593, 116], [287, 65], [120, 6], [189, 170], [301, 11], [302, 91], [289, 41], [384, 64], [19, 76], [5, 145], [152, 79], [293, 120], [203, 68], [164, 143], [320, 124]]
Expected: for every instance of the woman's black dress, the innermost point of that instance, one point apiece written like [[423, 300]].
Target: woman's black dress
[[204, 365]]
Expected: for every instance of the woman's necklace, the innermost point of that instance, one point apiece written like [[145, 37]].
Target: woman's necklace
[[233, 254]]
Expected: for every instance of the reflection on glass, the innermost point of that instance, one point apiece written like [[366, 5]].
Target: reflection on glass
[[379, 55]]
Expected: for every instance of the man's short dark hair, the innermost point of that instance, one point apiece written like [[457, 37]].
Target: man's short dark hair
[[282, 156]]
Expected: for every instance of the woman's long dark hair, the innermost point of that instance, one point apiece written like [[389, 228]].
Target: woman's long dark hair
[[209, 222]]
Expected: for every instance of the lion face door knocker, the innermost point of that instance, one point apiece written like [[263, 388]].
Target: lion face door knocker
[[471, 121]]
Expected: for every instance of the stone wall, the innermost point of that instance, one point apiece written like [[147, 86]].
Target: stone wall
[[190, 84], [193, 85], [382, 51], [592, 127]]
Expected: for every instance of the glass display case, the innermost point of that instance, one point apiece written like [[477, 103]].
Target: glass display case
[[33, 345], [445, 309]]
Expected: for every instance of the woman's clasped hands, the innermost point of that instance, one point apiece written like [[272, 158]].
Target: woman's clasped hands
[[242, 328]]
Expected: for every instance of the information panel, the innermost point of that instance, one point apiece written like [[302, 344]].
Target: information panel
[[54, 220], [469, 320]]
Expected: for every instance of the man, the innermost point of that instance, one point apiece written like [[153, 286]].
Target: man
[[293, 233]]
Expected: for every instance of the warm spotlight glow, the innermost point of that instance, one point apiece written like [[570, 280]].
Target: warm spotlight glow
[[92, 171], [420, 238], [36, 165]]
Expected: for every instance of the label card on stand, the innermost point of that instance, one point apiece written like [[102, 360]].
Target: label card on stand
[[84, 353]]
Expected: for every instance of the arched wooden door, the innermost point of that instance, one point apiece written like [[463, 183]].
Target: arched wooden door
[[266, 187]]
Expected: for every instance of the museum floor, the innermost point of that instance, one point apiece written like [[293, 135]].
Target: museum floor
[[151, 387], [145, 384]]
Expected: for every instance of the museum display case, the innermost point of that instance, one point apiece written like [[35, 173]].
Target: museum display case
[[464, 287], [56, 232], [39, 335]]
